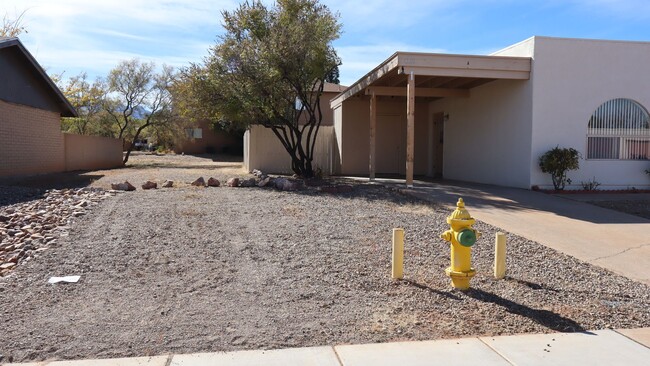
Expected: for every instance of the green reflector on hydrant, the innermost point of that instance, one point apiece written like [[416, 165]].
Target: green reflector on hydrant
[[467, 238]]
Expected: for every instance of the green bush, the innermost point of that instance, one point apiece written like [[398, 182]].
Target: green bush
[[557, 162]]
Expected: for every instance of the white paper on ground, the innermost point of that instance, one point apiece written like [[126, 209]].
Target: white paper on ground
[[69, 279]]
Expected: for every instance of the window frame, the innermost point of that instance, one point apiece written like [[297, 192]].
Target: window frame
[[621, 136]]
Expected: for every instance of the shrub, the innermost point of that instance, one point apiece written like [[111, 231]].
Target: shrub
[[590, 185], [557, 162]]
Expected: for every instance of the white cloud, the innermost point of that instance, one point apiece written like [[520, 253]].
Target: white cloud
[[93, 36]]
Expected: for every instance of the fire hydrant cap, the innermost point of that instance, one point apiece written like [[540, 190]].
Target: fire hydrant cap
[[467, 237]]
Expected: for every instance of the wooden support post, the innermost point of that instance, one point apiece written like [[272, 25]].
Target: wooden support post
[[410, 129], [373, 134]]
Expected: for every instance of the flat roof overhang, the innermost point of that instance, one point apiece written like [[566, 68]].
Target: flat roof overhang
[[437, 75]]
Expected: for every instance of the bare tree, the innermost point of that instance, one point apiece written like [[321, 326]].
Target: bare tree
[[138, 98], [12, 26]]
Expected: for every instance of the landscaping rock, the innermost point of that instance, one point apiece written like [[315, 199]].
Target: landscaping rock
[[233, 182], [213, 182], [168, 184], [30, 225], [264, 182], [119, 186], [248, 183], [285, 184], [200, 182], [149, 185], [8, 265]]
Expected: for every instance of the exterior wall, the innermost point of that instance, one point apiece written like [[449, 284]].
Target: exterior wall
[[264, 151], [390, 137], [211, 142], [328, 113], [487, 136], [30, 140], [572, 78], [337, 139], [91, 152]]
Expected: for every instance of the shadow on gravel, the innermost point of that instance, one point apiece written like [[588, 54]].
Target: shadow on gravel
[[545, 318], [531, 285], [171, 166], [364, 191], [432, 290], [24, 189]]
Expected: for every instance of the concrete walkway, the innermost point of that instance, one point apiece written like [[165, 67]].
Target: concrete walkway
[[603, 347], [606, 238]]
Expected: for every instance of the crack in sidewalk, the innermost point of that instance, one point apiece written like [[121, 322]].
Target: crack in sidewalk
[[621, 252]]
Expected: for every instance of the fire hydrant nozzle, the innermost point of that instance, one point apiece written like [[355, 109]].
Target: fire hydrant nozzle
[[462, 237]]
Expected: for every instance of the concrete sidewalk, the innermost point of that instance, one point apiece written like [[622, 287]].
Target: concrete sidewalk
[[603, 347], [606, 238]]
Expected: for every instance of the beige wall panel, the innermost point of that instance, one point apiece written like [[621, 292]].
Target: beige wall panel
[[92, 152], [265, 152], [31, 141], [488, 135], [355, 150], [391, 136]]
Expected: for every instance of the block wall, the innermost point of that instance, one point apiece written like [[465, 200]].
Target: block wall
[[31, 141]]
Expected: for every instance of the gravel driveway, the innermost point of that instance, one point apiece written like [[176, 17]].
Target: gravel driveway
[[192, 269]]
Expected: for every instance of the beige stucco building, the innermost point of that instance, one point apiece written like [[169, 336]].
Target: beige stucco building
[[489, 118]]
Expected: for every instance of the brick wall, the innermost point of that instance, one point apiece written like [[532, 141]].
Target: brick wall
[[31, 141]]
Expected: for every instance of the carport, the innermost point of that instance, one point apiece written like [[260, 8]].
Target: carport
[[427, 77]]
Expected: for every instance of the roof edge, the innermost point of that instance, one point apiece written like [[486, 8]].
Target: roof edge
[[67, 108], [334, 102]]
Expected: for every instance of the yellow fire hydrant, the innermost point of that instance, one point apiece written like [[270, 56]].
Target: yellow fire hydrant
[[462, 236]]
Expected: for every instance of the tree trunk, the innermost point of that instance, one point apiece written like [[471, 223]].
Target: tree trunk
[[135, 138]]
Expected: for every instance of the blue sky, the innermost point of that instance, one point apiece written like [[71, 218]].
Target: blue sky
[[72, 36]]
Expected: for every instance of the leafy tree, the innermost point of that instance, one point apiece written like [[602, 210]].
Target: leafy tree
[[12, 26], [333, 76], [87, 99], [557, 162], [139, 98], [269, 68]]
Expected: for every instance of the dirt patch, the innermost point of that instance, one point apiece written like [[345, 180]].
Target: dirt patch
[[218, 269]]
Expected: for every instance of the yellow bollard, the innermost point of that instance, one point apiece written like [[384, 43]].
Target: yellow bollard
[[500, 256], [398, 253]]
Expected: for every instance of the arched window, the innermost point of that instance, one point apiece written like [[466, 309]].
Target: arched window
[[619, 129]]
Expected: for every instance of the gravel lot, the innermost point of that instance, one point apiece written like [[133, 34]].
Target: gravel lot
[[192, 269]]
